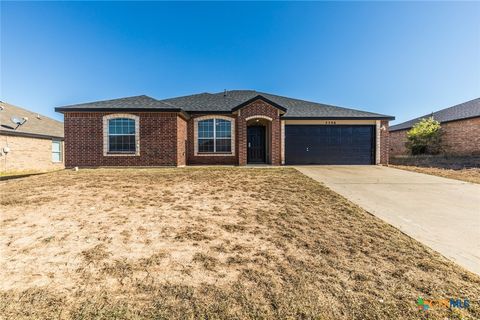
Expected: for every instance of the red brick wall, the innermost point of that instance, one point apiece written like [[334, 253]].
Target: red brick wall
[[384, 142], [397, 142], [84, 140], [460, 137], [181, 141], [204, 159], [256, 108]]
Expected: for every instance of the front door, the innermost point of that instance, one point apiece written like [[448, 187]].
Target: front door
[[256, 144]]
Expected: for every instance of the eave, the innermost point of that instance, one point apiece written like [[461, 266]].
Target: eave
[[338, 118], [29, 135]]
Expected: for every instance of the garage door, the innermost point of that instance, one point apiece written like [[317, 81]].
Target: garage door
[[329, 144]]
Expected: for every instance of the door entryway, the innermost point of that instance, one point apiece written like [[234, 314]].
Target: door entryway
[[256, 152]]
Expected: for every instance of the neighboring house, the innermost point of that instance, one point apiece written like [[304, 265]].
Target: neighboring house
[[229, 128], [460, 127], [29, 141]]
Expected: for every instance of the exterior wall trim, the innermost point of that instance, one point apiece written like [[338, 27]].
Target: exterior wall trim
[[29, 135], [213, 154], [377, 142], [282, 142], [376, 123], [258, 117], [330, 122], [105, 134]]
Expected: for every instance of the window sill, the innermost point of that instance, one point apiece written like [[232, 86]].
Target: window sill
[[122, 154], [209, 154]]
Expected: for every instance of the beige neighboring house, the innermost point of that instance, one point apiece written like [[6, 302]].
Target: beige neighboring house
[[29, 142]]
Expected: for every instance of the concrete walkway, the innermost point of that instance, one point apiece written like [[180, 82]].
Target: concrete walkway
[[442, 213]]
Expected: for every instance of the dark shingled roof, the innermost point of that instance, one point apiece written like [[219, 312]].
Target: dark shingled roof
[[297, 108], [128, 103], [36, 125], [203, 102], [469, 109], [227, 102]]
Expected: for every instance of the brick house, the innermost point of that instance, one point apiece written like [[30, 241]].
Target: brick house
[[234, 128], [35, 143], [460, 130]]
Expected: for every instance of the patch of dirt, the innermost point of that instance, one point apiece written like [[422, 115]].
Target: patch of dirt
[[209, 243], [468, 175]]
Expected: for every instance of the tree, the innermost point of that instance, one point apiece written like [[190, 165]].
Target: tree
[[424, 137]]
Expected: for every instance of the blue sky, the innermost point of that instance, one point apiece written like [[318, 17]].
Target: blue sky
[[402, 59]]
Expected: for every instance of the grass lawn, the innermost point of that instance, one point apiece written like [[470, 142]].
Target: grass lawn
[[469, 175], [209, 243]]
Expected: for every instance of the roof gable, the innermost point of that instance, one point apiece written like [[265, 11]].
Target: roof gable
[[259, 97]]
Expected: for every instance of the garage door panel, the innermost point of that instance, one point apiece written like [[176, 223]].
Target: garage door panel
[[329, 144]]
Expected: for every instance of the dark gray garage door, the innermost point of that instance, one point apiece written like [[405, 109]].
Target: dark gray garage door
[[329, 144]]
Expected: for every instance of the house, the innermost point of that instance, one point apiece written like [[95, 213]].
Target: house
[[29, 141], [228, 128], [460, 130]]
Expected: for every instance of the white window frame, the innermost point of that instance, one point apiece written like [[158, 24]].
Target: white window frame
[[60, 152], [106, 146], [214, 153]]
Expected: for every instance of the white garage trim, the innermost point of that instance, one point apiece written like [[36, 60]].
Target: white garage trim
[[377, 142], [330, 122], [282, 141], [333, 122]]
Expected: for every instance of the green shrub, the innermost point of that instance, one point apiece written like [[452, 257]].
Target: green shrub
[[424, 137]]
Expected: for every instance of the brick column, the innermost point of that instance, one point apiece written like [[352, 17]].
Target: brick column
[[384, 143], [242, 140], [260, 109]]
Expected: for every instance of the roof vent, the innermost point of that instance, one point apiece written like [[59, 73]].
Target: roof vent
[[224, 92], [38, 117]]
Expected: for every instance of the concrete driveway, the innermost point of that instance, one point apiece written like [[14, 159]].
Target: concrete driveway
[[442, 213]]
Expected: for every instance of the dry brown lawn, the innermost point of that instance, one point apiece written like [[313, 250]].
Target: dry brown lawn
[[209, 243], [467, 174]]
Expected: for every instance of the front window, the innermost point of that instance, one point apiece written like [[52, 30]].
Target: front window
[[121, 135], [215, 135], [56, 151]]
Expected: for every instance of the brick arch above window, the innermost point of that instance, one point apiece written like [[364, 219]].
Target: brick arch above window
[[213, 117], [259, 117], [106, 120]]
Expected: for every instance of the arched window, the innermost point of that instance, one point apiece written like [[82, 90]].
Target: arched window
[[121, 134], [214, 135]]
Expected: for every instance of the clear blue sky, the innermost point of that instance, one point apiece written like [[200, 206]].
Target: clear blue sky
[[403, 59]]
